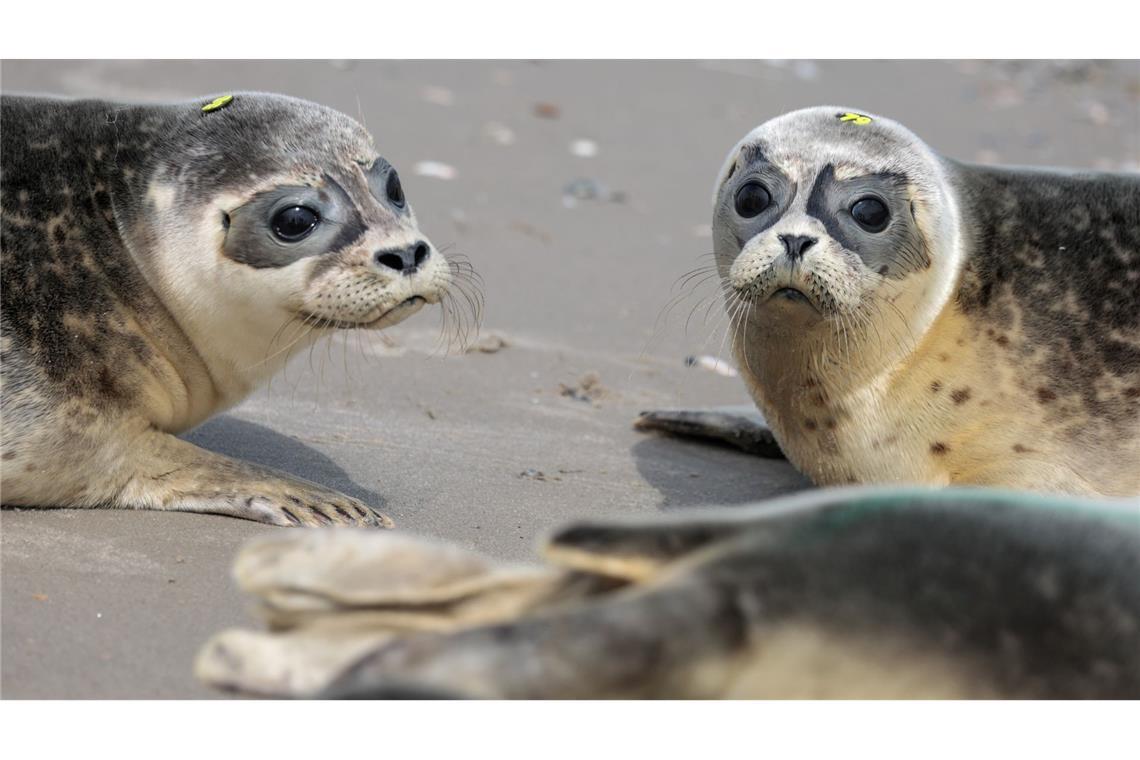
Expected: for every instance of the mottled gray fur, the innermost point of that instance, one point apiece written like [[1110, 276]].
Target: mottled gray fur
[[100, 361]]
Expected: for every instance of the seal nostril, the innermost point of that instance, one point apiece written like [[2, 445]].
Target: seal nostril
[[796, 245], [421, 254], [391, 260]]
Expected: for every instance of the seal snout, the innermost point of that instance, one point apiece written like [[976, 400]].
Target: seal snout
[[406, 260], [795, 246]]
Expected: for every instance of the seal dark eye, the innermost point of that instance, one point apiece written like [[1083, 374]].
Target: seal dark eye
[[751, 199], [871, 214], [295, 222], [394, 189]]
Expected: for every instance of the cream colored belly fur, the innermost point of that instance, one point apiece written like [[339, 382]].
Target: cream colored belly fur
[[955, 411]]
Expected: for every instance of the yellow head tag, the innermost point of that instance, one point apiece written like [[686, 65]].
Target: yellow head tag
[[217, 103], [855, 118]]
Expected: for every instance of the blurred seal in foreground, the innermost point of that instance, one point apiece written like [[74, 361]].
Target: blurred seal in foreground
[[162, 261], [849, 593], [898, 316]]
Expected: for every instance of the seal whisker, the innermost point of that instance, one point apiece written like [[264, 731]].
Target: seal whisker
[[661, 321]]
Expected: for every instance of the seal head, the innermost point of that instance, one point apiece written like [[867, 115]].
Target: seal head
[[822, 214], [282, 211]]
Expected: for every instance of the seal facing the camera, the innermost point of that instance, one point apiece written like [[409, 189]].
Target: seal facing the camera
[[899, 316]]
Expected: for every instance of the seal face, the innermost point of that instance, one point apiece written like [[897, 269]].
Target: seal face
[[899, 316], [160, 262]]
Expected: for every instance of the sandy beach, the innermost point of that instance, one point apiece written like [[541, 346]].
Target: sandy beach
[[581, 193]]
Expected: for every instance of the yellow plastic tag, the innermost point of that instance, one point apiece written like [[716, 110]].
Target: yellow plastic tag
[[217, 103], [855, 118]]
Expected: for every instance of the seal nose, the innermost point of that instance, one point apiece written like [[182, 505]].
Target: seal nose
[[797, 245], [404, 260]]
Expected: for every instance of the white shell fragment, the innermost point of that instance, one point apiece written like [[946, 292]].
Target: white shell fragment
[[436, 169], [584, 148], [712, 364], [498, 133]]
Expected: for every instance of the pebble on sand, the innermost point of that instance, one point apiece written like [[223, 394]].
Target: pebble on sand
[[547, 111]]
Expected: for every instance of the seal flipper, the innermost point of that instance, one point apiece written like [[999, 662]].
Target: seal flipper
[[676, 640], [172, 475], [739, 426], [392, 581], [633, 550]]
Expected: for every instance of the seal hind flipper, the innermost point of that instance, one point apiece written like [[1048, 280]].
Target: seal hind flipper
[[634, 550], [627, 645], [393, 582], [737, 426]]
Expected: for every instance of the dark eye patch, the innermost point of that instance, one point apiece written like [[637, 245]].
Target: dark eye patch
[[253, 236], [384, 183], [754, 196], [884, 235]]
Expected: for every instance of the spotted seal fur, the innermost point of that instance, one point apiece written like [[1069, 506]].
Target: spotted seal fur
[[159, 263], [899, 316]]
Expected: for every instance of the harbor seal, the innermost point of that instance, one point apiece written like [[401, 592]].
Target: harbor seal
[[837, 593], [159, 263], [899, 316]]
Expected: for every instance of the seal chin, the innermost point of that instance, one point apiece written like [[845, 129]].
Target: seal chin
[[387, 318]]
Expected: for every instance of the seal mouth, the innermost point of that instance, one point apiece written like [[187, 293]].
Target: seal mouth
[[791, 294], [794, 295], [397, 313]]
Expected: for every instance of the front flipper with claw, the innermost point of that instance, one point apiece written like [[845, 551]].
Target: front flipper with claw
[[170, 474], [739, 426]]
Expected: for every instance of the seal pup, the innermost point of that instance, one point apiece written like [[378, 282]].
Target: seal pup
[[898, 316], [162, 261], [841, 593]]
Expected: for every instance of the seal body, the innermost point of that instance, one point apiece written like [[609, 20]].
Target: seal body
[[836, 593], [902, 317], [160, 262]]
